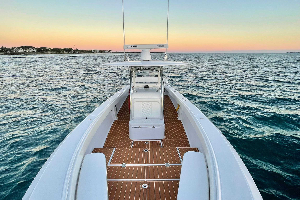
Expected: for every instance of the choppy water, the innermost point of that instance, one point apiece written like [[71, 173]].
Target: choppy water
[[254, 99]]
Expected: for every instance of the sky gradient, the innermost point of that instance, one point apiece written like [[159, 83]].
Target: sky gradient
[[194, 25]]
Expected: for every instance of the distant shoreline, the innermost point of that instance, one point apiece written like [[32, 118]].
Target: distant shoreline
[[28, 54], [121, 52], [31, 50]]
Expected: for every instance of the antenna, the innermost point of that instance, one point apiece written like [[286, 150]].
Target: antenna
[[123, 29], [156, 46], [166, 56]]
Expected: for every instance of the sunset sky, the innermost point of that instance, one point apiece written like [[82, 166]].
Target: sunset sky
[[194, 25]]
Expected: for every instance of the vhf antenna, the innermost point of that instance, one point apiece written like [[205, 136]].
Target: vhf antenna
[[124, 41], [166, 56], [123, 29]]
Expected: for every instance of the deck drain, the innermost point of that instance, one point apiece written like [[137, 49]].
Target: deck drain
[[146, 142], [146, 150], [145, 186]]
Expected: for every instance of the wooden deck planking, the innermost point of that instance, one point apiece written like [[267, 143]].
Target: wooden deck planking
[[129, 172], [162, 180], [176, 143], [119, 190], [164, 155], [130, 156], [163, 172]]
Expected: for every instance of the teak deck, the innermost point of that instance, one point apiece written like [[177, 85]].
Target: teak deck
[[144, 169]]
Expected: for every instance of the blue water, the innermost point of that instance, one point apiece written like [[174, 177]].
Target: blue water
[[254, 99]]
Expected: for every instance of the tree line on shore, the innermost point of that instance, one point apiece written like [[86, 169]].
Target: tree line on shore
[[45, 50]]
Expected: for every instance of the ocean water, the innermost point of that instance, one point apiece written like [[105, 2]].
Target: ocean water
[[254, 99]]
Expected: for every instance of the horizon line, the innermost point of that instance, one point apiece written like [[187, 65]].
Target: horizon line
[[157, 51]]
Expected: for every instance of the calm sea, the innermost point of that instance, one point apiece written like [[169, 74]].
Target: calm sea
[[254, 99]]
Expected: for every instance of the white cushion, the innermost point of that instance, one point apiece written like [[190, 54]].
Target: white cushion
[[193, 182], [92, 183]]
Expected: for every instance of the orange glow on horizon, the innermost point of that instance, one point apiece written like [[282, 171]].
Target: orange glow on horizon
[[218, 26], [181, 39]]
